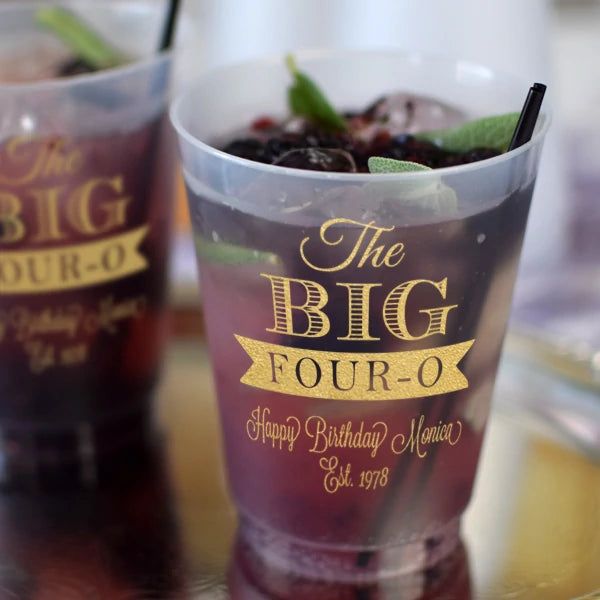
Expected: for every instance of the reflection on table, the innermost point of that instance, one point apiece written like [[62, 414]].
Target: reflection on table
[[158, 524]]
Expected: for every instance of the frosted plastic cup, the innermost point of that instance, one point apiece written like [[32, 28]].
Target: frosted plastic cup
[[355, 321], [85, 186]]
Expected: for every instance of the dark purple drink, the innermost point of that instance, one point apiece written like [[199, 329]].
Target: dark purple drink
[[477, 256], [86, 173], [80, 345]]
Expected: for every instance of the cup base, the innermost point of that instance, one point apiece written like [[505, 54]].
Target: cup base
[[308, 560], [70, 457]]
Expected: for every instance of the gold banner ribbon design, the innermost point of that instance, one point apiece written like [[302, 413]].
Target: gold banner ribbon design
[[72, 267], [352, 375]]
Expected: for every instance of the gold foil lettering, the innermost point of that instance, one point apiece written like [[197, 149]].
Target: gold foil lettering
[[68, 267], [31, 160], [326, 436], [12, 228], [370, 251], [276, 367], [394, 310], [384, 367], [336, 383], [79, 206], [47, 208], [358, 311], [260, 428], [336, 476], [316, 298], [304, 378], [352, 375], [422, 436]]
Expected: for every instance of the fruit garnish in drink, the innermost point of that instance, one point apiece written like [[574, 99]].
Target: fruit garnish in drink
[[415, 131], [319, 159]]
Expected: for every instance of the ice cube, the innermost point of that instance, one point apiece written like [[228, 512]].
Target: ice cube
[[408, 113]]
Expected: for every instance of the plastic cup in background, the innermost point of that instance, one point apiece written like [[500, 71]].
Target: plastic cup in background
[[355, 321], [86, 177]]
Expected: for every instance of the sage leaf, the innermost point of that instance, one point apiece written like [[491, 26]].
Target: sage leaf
[[231, 254], [83, 41], [307, 100], [489, 132], [380, 164], [429, 193]]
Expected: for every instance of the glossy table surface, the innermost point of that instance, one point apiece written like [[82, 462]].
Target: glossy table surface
[[160, 525]]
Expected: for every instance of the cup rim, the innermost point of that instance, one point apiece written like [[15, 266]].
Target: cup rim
[[315, 54], [83, 78]]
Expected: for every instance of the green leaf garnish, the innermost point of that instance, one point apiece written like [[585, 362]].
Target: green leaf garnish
[[231, 254], [379, 164], [84, 42], [430, 193], [308, 101], [490, 132]]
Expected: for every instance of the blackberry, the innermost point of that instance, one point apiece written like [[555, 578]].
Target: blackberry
[[276, 146], [249, 148], [318, 159], [477, 154], [402, 139], [450, 159], [74, 66]]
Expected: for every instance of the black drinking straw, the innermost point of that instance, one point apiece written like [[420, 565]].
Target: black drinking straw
[[168, 32], [529, 116], [523, 133]]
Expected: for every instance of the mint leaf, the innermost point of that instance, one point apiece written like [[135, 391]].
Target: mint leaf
[[85, 43], [379, 164], [307, 100], [490, 132], [231, 254]]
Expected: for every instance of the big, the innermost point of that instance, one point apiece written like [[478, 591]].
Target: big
[[318, 324]]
